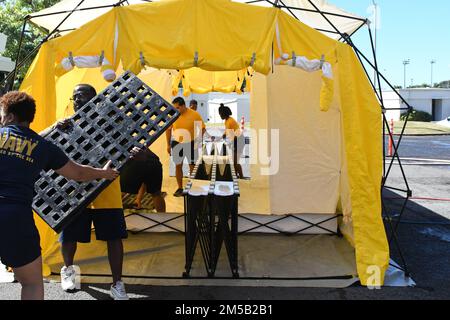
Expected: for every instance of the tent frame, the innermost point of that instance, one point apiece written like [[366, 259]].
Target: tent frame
[[392, 221]]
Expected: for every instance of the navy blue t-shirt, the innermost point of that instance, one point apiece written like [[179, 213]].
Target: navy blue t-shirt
[[23, 154]]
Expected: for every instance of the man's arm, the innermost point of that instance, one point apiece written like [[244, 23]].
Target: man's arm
[[59, 124], [81, 173], [168, 138]]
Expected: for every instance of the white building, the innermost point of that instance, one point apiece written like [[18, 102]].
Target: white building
[[6, 65], [435, 101]]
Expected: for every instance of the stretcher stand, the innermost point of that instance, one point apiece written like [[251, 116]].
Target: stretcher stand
[[126, 114], [211, 217]]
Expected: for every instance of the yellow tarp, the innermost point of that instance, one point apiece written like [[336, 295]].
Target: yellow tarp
[[170, 33], [224, 36], [362, 127], [196, 80]]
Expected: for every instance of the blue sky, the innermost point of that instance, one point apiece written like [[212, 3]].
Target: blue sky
[[409, 29]]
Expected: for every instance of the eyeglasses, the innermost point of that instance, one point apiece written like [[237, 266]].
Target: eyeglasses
[[77, 96]]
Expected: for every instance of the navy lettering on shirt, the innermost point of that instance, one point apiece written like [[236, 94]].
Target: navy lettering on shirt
[[23, 154]]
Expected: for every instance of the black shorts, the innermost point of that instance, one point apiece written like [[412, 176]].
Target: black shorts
[[19, 237], [109, 225], [135, 173], [184, 150]]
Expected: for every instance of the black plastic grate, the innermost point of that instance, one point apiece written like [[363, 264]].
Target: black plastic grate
[[126, 114]]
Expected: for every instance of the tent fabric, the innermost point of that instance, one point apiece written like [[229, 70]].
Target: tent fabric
[[67, 64], [51, 18], [178, 45], [196, 80], [364, 162], [308, 173], [345, 22], [228, 36]]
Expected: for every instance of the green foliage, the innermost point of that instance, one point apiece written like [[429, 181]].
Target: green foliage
[[12, 14], [443, 84], [423, 85], [417, 115]]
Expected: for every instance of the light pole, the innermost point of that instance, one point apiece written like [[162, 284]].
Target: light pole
[[405, 63], [432, 62], [375, 7]]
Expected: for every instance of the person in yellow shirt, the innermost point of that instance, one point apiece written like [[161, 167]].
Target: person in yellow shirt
[[234, 134], [105, 212], [183, 139]]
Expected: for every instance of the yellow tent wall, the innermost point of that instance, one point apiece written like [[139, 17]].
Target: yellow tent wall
[[223, 44]]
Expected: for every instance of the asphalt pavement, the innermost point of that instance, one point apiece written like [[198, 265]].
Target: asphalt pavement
[[428, 147]]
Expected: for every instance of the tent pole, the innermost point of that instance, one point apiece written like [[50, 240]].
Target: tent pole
[[384, 152], [367, 73], [18, 65], [381, 98], [376, 65], [328, 13], [270, 2], [68, 11], [290, 11], [11, 75], [384, 78], [14, 72], [64, 20], [311, 10], [327, 31], [396, 155], [346, 38], [362, 25], [396, 242]]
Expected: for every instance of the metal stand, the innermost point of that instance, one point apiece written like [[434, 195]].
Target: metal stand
[[211, 220]]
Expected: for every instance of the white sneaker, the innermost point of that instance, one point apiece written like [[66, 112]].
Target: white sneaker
[[68, 275], [118, 291]]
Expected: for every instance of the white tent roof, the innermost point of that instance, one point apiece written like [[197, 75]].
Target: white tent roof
[[88, 10], [304, 11], [301, 9]]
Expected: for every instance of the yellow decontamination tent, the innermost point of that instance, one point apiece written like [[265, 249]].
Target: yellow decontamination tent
[[309, 87]]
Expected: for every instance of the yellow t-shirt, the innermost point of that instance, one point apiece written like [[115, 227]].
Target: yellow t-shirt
[[183, 130], [110, 198], [232, 128]]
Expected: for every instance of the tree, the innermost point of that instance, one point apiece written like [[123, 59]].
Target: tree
[[423, 85], [12, 14], [443, 84]]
